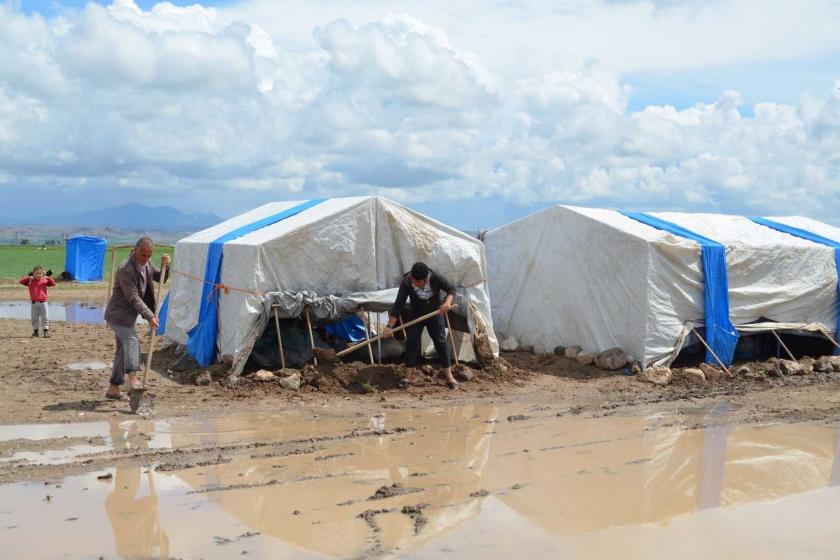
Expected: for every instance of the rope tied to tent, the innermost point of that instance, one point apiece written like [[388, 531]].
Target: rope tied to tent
[[219, 286]]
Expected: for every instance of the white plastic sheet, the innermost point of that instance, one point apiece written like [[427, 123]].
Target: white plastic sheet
[[341, 246], [598, 279]]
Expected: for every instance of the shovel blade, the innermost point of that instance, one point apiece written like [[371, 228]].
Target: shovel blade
[[141, 402]]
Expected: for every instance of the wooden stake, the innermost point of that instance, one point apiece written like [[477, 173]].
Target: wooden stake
[[451, 339], [789, 353], [365, 319], [279, 339], [111, 276], [712, 352], [378, 342], [834, 342], [311, 337]]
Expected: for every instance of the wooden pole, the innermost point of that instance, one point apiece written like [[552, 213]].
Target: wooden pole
[[279, 339], [154, 329], [712, 352], [113, 271], [311, 337], [834, 342], [451, 339], [789, 353], [397, 329], [367, 333], [378, 341]]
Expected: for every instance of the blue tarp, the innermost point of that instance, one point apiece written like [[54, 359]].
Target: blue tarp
[[164, 308], [351, 329], [807, 235], [720, 332], [201, 343], [85, 258]]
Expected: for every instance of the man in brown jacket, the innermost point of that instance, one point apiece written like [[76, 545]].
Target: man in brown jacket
[[133, 295]]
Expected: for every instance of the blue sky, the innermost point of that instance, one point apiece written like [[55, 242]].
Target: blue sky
[[474, 113]]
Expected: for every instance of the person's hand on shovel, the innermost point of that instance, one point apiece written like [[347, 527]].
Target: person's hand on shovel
[[165, 260]]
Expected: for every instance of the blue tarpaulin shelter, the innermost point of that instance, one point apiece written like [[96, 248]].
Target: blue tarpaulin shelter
[[85, 258]]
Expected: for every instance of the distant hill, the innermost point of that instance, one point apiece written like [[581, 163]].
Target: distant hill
[[135, 217]]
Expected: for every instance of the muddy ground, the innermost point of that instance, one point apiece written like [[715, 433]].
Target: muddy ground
[[36, 386]]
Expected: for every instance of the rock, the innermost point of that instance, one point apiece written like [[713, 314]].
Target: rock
[[658, 375], [807, 365], [428, 370], [203, 379], [823, 365], [292, 382], [612, 359], [586, 358], [695, 376], [712, 374], [789, 367], [636, 368], [529, 349], [743, 371], [560, 350], [835, 362], [773, 368], [229, 382], [572, 352], [264, 375], [463, 373], [509, 344]]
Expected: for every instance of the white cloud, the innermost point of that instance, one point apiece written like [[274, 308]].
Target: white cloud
[[195, 100]]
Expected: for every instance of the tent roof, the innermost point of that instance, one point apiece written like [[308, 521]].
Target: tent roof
[[724, 228], [326, 210]]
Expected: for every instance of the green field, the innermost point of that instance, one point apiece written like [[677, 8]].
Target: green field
[[17, 261]]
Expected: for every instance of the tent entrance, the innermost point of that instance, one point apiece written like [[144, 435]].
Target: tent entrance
[[756, 344]]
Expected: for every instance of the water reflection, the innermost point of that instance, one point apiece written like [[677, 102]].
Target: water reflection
[[542, 487], [132, 510], [73, 312]]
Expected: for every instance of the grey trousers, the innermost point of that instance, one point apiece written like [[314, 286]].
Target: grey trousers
[[40, 315], [127, 356]]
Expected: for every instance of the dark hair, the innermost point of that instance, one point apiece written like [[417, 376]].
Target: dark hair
[[419, 271], [144, 241]]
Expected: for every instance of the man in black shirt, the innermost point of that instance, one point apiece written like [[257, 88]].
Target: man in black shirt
[[422, 286]]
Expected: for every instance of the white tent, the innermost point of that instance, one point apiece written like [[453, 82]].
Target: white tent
[[339, 246], [600, 279]]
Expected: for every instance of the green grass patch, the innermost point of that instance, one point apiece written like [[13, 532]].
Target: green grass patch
[[17, 261]]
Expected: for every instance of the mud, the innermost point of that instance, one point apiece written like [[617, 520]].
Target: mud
[[395, 489], [608, 486]]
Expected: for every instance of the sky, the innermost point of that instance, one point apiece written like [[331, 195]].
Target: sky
[[475, 113]]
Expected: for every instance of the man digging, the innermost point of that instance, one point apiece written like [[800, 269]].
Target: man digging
[[423, 287], [133, 295]]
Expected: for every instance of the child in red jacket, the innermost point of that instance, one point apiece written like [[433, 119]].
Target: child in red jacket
[[38, 284]]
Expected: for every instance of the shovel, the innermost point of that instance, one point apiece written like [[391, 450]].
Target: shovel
[[331, 356], [141, 402]]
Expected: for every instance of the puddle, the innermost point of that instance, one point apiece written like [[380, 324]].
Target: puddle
[[543, 486], [79, 313]]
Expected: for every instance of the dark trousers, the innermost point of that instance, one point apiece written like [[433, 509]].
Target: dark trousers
[[437, 331]]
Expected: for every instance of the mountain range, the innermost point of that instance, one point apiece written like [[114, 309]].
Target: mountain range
[[129, 216]]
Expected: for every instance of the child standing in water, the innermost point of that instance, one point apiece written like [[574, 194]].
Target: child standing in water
[[38, 284]]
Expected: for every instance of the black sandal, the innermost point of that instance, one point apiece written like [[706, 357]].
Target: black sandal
[[403, 383], [119, 397], [453, 385]]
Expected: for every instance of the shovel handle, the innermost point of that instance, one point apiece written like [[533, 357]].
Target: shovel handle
[[154, 329], [379, 336]]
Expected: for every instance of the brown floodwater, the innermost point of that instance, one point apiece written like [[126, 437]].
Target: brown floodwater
[[488, 485]]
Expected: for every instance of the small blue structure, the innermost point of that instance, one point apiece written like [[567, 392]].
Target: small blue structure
[[85, 258]]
